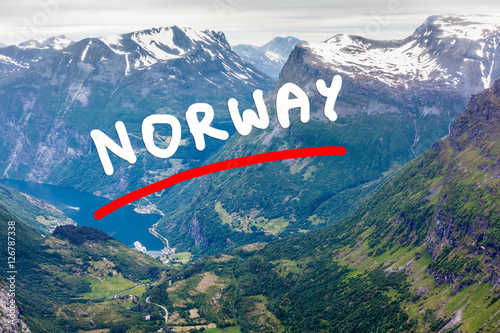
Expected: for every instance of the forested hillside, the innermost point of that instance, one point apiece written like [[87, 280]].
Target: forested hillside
[[420, 255]]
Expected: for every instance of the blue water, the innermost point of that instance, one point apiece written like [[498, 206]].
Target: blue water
[[125, 224]]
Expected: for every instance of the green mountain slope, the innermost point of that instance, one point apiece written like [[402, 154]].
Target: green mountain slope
[[67, 282], [420, 255], [33, 211]]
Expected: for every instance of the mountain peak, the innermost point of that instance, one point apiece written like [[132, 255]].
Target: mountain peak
[[270, 57], [147, 47], [480, 121], [475, 27], [19, 58], [290, 40], [56, 43], [173, 38], [180, 36]]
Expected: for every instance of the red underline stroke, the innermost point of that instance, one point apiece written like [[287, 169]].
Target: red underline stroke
[[213, 168]]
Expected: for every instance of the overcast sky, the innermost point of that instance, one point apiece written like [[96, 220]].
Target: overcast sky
[[243, 21]]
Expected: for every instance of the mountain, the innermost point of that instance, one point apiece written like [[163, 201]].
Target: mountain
[[388, 114], [450, 51], [270, 57], [72, 280], [51, 102], [420, 255], [397, 99], [54, 43], [15, 59], [36, 213], [2, 45]]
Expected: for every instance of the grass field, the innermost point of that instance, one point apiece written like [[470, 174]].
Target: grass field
[[276, 226], [138, 291], [106, 289], [184, 257], [224, 216]]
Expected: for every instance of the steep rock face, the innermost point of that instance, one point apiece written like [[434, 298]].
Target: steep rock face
[[10, 318], [397, 99], [270, 57], [446, 201], [50, 107], [479, 123], [467, 217]]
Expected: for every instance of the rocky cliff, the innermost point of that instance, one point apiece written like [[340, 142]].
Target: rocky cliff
[[10, 316]]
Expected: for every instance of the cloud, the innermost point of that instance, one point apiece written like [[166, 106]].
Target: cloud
[[243, 21]]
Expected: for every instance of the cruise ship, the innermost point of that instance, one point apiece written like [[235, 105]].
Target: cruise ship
[[139, 247]]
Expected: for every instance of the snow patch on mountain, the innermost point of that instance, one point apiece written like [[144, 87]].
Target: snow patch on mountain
[[84, 54], [392, 64], [7, 60], [275, 57], [160, 45]]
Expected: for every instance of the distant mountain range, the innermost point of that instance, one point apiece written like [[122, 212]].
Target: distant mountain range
[[270, 57], [451, 52], [397, 99], [17, 59]]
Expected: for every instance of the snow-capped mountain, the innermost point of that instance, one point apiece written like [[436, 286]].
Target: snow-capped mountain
[[449, 51], [431, 72], [67, 89], [143, 49], [2, 45], [55, 43], [18, 58], [270, 57]]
